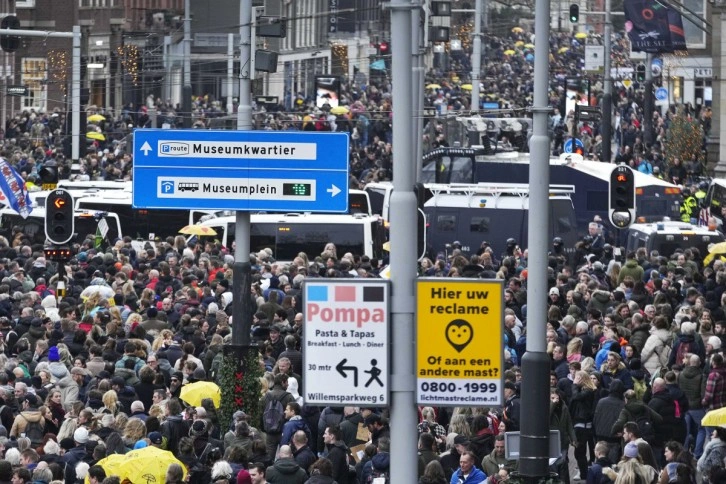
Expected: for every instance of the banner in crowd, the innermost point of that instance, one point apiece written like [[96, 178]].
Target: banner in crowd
[[13, 187], [653, 27]]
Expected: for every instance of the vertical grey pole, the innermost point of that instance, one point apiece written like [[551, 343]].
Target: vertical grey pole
[[607, 97], [417, 90], [403, 252], [242, 270], [648, 103], [534, 436], [187, 87], [476, 57], [154, 115], [230, 72], [76, 94]]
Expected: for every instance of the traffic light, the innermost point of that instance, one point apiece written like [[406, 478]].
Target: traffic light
[[621, 202], [384, 48], [574, 13], [579, 150], [48, 177], [9, 43], [57, 253], [640, 72], [59, 223]]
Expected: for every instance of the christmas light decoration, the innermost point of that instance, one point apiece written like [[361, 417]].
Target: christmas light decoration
[[58, 66]]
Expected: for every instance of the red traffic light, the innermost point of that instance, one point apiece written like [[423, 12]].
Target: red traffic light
[[622, 178], [59, 203]]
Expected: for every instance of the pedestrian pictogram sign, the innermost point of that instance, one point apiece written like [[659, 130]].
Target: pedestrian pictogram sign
[[459, 342], [346, 342]]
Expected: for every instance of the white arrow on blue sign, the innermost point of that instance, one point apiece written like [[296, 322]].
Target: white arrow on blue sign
[[270, 171]]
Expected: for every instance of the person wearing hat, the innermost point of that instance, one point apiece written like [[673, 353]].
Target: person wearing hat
[[76, 454], [511, 407], [152, 324], [29, 414], [155, 439]]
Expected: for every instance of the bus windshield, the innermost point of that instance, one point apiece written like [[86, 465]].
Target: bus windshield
[[139, 223]]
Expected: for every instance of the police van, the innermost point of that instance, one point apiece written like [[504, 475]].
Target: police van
[[292, 233], [667, 237], [492, 212], [86, 223]]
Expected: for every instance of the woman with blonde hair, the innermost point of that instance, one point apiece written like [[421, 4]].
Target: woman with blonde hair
[[164, 337], [574, 350], [582, 405], [110, 403], [459, 425], [134, 430], [67, 429], [156, 410], [132, 318]]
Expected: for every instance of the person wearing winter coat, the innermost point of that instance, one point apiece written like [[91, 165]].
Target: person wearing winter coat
[[633, 410], [631, 268], [321, 472], [582, 406], [560, 420], [285, 470], [692, 382], [467, 473], [29, 413], [657, 349], [688, 338], [294, 423], [713, 454], [607, 412], [337, 452]]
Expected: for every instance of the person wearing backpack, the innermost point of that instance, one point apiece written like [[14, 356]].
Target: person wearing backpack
[[664, 405], [687, 343], [636, 411], [273, 415], [378, 469], [29, 421]]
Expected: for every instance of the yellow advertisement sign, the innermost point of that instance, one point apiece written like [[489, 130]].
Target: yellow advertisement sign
[[459, 342]]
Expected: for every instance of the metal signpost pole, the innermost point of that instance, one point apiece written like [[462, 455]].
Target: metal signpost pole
[[417, 91], [230, 73], [403, 251], [607, 98], [242, 269], [476, 57], [648, 103], [533, 462], [187, 87], [76, 94]]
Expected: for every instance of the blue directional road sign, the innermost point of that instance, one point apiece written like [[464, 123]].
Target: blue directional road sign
[[568, 145], [661, 94], [272, 171]]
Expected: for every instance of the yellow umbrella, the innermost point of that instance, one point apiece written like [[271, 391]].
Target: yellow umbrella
[[433, 86], [147, 465], [517, 30], [95, 118], [340, 110], [581, 35], [563, 50], [519, 43], [95, 135], [110, 464], [529, 46], [466, 87], [197, 230], [715, 418], [714, 251], [193, 393], [509, 52]]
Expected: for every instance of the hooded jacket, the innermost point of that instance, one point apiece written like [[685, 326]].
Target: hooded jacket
[[607, 412], [69, 391], [693, 383], [656, 351], [295, 423], [21, 421], [285, 471], [381, 462], [632, 269]]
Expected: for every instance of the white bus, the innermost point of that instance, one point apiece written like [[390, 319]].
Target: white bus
[[86, 222], [289, 234]]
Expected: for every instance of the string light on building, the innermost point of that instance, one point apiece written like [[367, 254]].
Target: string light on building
[[340, 54], [58, 65], [129, 55]]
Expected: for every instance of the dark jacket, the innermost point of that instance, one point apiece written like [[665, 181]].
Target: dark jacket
[[277, 393], [70, 459], [338, 455], [634, 410], [349, 427], [172, 430], [291, 426], [304, 457], [693, 383], [639, 336], [285, 471], [424, 457], [381, 462], [582, 404], [607, 412], [663, 404]]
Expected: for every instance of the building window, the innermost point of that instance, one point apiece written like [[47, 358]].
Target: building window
[[703, 92], [34, 74], [695, 37], [25, 4], [677, 89]]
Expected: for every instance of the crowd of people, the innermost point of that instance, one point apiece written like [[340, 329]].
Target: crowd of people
[[635, 341]]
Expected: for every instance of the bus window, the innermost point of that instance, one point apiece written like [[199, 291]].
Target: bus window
[[377, 197], [142, 222], [261, 236], [480, 224], [311, 239], [358, 203], [32, 227], [446, 223]]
